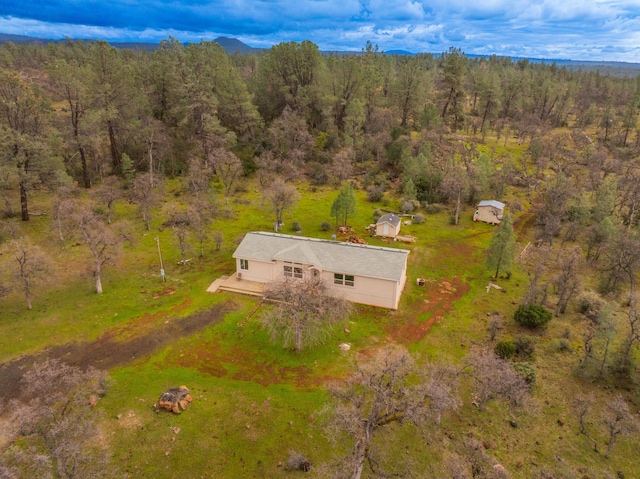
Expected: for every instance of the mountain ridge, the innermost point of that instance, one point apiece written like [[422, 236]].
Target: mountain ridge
[[234, 46]]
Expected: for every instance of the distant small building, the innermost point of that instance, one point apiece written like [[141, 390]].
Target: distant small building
[[489, 211], [388, 226], [363, 274]]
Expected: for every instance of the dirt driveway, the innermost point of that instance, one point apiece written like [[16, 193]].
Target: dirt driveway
[[108, 351]]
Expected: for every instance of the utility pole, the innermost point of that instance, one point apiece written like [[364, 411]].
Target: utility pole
[[164, 279]]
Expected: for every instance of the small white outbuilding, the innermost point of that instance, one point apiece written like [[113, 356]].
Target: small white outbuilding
[[388, 226], [489, 211]]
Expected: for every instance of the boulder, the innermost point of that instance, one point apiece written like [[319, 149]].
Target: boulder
[[174, 400]]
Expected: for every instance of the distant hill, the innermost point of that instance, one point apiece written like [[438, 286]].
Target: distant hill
[[7, 37], [233, 46], [399, 52], [230, 45]]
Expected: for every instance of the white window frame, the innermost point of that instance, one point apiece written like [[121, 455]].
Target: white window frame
[[344, 279], [244, 264], [293, 270]]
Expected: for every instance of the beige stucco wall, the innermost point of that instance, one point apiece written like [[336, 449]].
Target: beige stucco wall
[[371, 291], [391, 231], [260, 272], [486, 214]]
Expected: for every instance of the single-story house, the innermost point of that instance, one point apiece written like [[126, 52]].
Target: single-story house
[[360, 273], [489, 211], [388, 225]]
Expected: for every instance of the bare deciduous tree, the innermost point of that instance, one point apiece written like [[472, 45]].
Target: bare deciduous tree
[[495, 325], [495, 378], [303, 314], [619, 421], [633, 334], [102, 240], [146, 196], [582, 406], [567, 282], [388, 389], [229, 168], [31, 265], [109, 192], [535, 264], [179, 222], [218, 238], [282, 197], [454, 186], [54, 426], [201, 214], [198, 178], [621, 262]]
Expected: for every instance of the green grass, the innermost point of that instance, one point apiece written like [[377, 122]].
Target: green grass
[[255, 401]]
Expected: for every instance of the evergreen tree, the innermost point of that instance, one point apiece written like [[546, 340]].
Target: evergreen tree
[[344, 205], [502, 247]]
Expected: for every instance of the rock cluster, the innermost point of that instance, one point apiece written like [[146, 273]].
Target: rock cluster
[[175, 400]]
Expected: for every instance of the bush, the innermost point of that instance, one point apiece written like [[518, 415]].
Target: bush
[[375, 193], [559, 345], [590, 304], [532, 316], [433, 209], [527, 371], [296, 226], [407, 207], [297, 462], [418, 219], [377, 214], [325, 226], [505, 349], [525, 346]]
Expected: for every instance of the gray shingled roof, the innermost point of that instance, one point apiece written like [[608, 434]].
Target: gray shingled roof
[[334, 256], [390, 218], [494, 203]]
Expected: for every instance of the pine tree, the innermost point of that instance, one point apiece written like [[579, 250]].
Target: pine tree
[[502, 247], [344, 205]]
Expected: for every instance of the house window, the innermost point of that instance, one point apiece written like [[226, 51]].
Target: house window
[[244, 264], [293, 270], [343, 279]]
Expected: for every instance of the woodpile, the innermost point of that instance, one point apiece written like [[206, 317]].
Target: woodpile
[[344, 230], [355, 239], [175, 400]]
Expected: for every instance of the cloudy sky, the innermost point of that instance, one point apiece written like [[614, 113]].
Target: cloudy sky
[[568, 29]]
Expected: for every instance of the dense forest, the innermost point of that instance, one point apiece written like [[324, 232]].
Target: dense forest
[[89, 126]]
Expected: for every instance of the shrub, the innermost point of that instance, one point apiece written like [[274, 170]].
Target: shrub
[[296, 226], [527, 371], [564, 345], [297, 462], [375, 193], [505, 349], [325, 226], [559, 345], [525, 346], [377, 214], [418, 219], [532, 316], [433, 209], [407, 207], [590, 304]]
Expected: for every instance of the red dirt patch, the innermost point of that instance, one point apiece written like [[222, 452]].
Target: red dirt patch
[[166, 292], [522, 226], [438, 300], [213, 359]]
